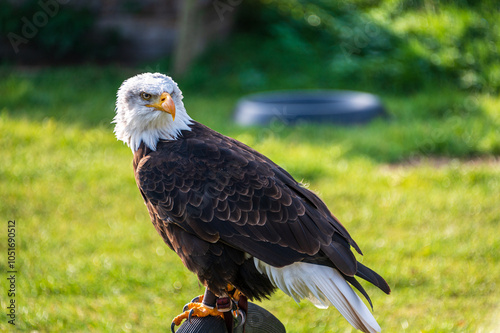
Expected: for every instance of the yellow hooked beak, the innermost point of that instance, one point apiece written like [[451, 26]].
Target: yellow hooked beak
[[164, 103]]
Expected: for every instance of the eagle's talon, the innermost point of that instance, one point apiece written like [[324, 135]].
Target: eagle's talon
[[172, 327], [239, 313], [197, 299], [189, 315]]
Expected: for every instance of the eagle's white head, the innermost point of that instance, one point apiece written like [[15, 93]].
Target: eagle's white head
[[149, 108]]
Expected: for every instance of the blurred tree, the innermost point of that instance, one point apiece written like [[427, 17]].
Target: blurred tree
[[188, 27], [200, 21]]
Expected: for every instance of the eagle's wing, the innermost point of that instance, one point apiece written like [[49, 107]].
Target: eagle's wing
[[219, 189]]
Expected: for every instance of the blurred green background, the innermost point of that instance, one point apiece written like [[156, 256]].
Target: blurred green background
[[419, 193]]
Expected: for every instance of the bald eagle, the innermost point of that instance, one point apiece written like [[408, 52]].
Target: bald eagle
[[233, 216]]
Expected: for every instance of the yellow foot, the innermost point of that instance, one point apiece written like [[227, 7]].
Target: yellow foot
[[235, 304], [197, 310]]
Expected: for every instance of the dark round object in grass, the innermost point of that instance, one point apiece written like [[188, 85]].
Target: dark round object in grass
[[317, 106]]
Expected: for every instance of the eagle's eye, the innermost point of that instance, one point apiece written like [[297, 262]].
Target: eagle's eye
[[145, 96]]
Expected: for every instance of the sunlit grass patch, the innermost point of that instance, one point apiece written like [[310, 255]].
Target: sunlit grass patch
[[89, 259]]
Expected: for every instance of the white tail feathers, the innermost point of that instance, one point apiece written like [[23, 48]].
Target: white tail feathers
[[323, 286]]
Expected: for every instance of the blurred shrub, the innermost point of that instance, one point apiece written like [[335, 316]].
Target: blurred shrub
[[400, 46], [65, 36]]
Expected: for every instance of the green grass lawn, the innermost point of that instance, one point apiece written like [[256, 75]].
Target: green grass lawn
[[419, 194]]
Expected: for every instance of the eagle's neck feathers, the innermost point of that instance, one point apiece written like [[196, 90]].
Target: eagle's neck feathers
[[133, 132]]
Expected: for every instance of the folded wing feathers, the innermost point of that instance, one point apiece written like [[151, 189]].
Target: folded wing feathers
[[323, 286], [373, 277]]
